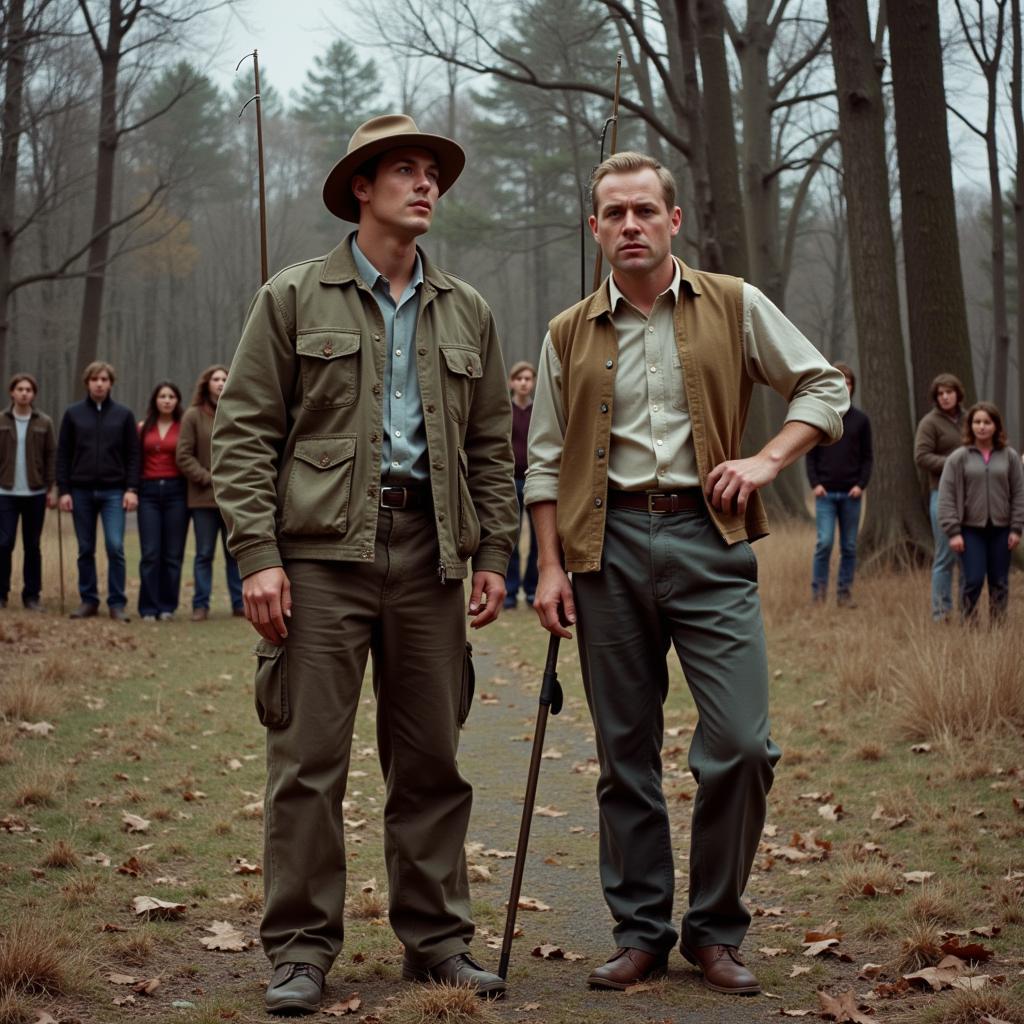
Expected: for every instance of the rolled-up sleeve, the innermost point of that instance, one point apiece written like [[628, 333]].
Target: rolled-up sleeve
[[778, 355], [547, 429]]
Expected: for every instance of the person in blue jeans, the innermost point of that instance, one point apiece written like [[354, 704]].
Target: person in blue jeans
[[98, 475], [194, 455], [521, 380], [839, 474], [163, 511]]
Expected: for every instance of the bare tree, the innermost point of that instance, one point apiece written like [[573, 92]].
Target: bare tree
[[895, 527], [984, 35], [1017, 102]]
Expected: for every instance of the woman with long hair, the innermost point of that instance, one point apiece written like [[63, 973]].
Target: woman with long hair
[[981, 509], [194, 460], [163, 514]]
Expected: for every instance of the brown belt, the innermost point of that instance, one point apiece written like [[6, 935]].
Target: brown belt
[[690, 499], [405, 497]]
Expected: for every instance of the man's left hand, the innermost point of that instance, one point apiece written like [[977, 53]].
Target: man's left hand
[[1013, 540], [855, 491], [732, 483], [130, 501], [487, 598]]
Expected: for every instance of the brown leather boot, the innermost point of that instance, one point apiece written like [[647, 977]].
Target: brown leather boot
[[627, 967], [722, 968]]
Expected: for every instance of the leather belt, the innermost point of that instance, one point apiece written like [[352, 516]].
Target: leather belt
[[405, 497], [690, 499]]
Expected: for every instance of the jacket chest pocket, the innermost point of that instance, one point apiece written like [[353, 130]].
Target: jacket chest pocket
[[329, 358], [462, 369], [319, 486]]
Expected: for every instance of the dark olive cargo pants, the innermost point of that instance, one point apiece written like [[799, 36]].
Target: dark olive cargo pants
[[671, 579], [307, 693]]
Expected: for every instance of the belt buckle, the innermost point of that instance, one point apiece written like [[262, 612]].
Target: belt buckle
[[651, 510], [391, 490]]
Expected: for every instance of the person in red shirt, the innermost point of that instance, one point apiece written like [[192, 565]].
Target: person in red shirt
[[163, 510]]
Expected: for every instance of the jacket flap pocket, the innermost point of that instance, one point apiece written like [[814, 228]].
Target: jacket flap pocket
[[327, 343], [325, 452], [265, 649], [464, 361]]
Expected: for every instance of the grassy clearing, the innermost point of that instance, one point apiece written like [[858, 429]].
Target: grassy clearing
[[909, 734]]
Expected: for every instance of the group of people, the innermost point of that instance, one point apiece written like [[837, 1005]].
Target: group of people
[[103, 465], [367, 460]]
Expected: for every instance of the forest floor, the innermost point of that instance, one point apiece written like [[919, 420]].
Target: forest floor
[[131, 765]]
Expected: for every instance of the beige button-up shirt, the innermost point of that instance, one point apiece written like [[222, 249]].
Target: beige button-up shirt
[[651, 442]]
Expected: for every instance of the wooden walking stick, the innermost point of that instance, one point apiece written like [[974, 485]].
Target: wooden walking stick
[[550, 701], [259, 157]]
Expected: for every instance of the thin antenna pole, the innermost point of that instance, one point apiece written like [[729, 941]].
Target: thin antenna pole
[[614, 122]]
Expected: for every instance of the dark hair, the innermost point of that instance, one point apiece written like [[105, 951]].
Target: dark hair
[[998, 438], [201, 395], [847, 372], [946, 380], [95, 369], [19, 378], [152, 413]]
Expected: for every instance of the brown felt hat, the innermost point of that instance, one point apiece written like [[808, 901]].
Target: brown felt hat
[[375, 137]]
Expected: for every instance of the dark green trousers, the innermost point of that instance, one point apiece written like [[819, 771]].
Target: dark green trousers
[[396, 609], [671, 579]]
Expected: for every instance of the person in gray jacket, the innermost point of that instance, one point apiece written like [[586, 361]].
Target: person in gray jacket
[[981, 509]]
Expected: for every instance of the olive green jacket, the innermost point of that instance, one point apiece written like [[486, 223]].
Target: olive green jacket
[[297, 436]]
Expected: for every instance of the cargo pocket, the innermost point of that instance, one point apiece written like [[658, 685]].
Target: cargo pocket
[[272, 705], [329, 358], [468, 686], [462, 369], [319, 486], [469, 521]]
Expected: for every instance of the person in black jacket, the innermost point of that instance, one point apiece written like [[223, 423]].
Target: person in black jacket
[[839, 473], [98, 474]]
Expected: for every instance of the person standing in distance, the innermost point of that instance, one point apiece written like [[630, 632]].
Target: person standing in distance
[[361, 456], [521, 378], [636, 487]]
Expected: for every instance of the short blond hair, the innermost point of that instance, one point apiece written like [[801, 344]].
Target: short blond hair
[[521, 367], [626, 163], [95, 369]]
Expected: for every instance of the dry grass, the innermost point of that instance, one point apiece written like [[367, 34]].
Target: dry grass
[[920, 947], [974, 1008], [441, 1004], [61, 855], [80, 890], [14, 1009], [25, 699], [866, 879], [134, 949], [939, 903], [367, 906], [40, 956]]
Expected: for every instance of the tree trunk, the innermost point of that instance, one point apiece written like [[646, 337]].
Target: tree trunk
[[1017, 100], [723, 159], [15, 43], [1000, 319], [939, 336], [895, 530], [103, 200]]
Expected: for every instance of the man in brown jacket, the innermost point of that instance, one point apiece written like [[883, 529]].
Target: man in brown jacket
[[637, 487], [361, 456]]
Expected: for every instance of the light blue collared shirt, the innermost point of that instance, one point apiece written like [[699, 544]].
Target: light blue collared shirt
[[404, 457]]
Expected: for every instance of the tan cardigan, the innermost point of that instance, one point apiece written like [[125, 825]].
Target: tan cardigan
[[195, 445]]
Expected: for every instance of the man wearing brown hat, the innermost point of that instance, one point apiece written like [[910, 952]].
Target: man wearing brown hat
[[361, 456]]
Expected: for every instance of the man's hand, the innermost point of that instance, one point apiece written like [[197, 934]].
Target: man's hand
[[1013, 540], [51, 498], [730, 484], [553, 601], [267, 596], [130, 501], [956, 544], [855, 491], [66, 504], [819, 491], [487, 598]]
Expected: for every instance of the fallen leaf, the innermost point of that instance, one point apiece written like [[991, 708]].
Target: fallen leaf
[[125, 1001], [147, 987], [36, 728], [795, 1013], [869, 972], [133, 823], [771, 951], [550, 812], [529, 903], [244, 867], [42, 1017], [921, 748], [122, 979], [234, 764], [816, 797], [939, 977], [551, 755], [972, 951], [158, 908], [799, 969], [918, 877], [500, 854], [131, 867], [478, 873], [529, 1006], [225, 937], [818, 703], [842, 1008], [831, 812], [548, 952], [98, 858], [345, 1006]]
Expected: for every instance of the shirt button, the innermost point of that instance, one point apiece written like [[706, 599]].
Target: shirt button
[[659, 442], [650, 330], [604, 407], [654, 369], [398, 433], [398, 394], [600, 453], [654, 408], [328, 351], [376, 337], [438, 465], [375, 437], [398, 351], [609, 364], [598, 503], [396, 465], [376, 389], [440, 517], [422, 351], [325, 460], [662, 471], [430, 408]]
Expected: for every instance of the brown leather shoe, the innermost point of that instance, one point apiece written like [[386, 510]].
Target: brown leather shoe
[[200, 614], [627, 967], [722, 968]]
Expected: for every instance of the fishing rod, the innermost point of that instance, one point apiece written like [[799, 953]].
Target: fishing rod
[[259, 158]]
